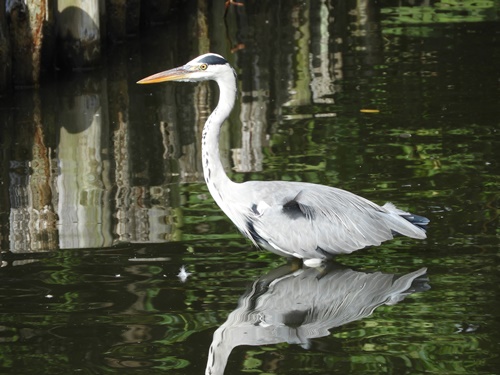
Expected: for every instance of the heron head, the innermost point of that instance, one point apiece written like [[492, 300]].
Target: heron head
[[204, 67]]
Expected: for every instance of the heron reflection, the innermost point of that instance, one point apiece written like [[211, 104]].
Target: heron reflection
[[294, 304]]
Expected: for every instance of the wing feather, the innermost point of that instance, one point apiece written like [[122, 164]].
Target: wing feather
[[315, 221]]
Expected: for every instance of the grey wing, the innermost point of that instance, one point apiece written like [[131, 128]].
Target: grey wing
[[319, 221]]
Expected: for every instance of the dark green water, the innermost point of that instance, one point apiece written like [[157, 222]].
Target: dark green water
[[102, 199]]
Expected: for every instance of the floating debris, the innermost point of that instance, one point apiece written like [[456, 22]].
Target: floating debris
[[159, 259], [183, 274]]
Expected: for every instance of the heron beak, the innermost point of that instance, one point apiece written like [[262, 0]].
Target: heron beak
[[176, 74]]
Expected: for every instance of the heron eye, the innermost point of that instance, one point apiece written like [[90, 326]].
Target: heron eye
[[203, 66]]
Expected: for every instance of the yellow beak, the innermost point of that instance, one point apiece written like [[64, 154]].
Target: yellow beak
[[175, 74]]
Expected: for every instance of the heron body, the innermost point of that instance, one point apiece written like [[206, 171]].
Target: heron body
[[303, 220]]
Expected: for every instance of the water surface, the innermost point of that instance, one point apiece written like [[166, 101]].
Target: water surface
[[102, 199]]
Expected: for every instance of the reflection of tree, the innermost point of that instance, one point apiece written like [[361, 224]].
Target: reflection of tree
[[294, 305]]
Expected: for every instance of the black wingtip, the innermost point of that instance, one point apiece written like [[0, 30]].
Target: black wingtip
[[420, 221]]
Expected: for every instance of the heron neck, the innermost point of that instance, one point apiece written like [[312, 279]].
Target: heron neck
[[216, 178]]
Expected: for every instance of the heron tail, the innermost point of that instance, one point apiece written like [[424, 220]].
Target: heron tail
[[412, 226], [419, 221]]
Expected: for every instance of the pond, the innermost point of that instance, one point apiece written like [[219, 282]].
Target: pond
[[116, 259]]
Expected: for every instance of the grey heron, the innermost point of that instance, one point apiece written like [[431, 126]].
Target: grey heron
[[293, 219]]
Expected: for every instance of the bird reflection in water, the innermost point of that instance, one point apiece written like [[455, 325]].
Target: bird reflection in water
[[294, 304]]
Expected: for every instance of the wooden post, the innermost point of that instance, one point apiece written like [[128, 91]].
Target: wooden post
[[116, 16], [123, 18], [133, 17], [26, 32], [158, 10], [32, 219], [79, 42], [5, 59]]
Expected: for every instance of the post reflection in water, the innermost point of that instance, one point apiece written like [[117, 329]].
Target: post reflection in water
[[294, 304]]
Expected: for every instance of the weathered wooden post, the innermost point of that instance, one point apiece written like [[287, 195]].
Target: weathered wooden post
[[79, 40], [123, 18], [5, 59], [32, 221], [133, 21], [116, 11], [27, 36]]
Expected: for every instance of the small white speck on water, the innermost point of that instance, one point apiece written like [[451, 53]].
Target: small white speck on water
[[183, 274]]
